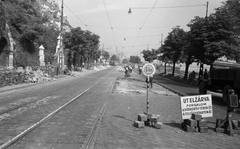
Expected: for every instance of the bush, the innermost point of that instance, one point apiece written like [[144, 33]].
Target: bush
[[10, 77], [24, 59]]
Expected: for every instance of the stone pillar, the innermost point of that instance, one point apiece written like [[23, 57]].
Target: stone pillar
[[41, 56], [58, 50], [10, 47]]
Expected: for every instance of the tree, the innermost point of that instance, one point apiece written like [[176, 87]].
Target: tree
[[115, 58], [105, 55], [212, 38], [125, 61], [135, 59], [84, 45], [229, 13], [173, 46], [150, 55], [3, 19]]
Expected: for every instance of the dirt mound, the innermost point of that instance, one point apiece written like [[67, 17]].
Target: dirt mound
[[134, 86]]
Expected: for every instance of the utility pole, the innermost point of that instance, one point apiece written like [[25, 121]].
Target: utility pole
[[61, 55], [201, 63], [161, 39], [207, 10], [140, 55]]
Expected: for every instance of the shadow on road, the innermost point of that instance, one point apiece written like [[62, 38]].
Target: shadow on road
[[122, 117], [175, 125]]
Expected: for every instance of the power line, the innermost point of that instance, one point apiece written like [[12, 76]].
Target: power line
[[169, 7], [143, 36], [76, 16], [145, 22], [110, 4], [150, 27], [109, 21]]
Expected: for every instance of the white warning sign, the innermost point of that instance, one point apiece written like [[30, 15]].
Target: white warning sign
[[198, 104]]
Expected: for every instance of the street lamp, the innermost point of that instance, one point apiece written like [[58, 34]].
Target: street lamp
[[129, 11], [59, 48], [61, 40]]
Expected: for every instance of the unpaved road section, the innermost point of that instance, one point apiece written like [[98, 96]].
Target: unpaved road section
[[129, 99]]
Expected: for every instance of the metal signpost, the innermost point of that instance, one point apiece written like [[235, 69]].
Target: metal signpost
[[148, 70]]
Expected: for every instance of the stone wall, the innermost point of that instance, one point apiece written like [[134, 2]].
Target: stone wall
[[10, 77], [28, 75]]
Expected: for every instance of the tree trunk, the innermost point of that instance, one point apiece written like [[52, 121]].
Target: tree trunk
[[186, 71], [165, 68], [173, 69], [200, 73]]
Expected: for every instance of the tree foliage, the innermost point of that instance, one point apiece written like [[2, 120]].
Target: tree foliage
[[83, 44], [105, 55], [25, 22], [3, 19], [208, 39], [30, 27], [114, 58], [125, 61], [173, 45], [150, 55], [134, 59]]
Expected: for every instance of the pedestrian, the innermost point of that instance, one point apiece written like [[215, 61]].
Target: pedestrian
[[150, 80], [127, 74], [205, 74], [130, 68], [192, 77], [140, 69]]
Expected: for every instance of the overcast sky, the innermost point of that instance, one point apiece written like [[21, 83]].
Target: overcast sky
[[142, 29]]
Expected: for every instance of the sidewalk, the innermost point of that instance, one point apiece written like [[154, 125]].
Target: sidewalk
[[55, 78]]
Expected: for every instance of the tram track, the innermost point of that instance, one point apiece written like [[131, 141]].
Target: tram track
[[24, 133], [17, 106], [27, 103], [89, 144]]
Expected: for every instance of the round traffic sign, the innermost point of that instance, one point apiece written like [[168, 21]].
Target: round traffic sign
[[148, 69]]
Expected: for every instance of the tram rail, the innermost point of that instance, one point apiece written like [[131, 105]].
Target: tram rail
[[89, 141]]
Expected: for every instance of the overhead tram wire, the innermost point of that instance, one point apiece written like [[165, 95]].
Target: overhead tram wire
[[150, 27], [160, 8], [169, 7], [109, 22], [144, 22], [123, 6], [77, 16]]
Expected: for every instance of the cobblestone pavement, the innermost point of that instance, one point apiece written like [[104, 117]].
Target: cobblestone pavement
[[117, 129]]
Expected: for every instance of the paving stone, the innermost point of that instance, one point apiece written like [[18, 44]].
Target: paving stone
[[196, 117], [138, 124], [218, 122], [196, 129], [142, 117], [235, 122], [154, 118], [202, 123], [189, 128], [147, 123], [148, 115], [183, 124], [191, 122], [203, 129], [220, 130], [233, 132], [158, 125]]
